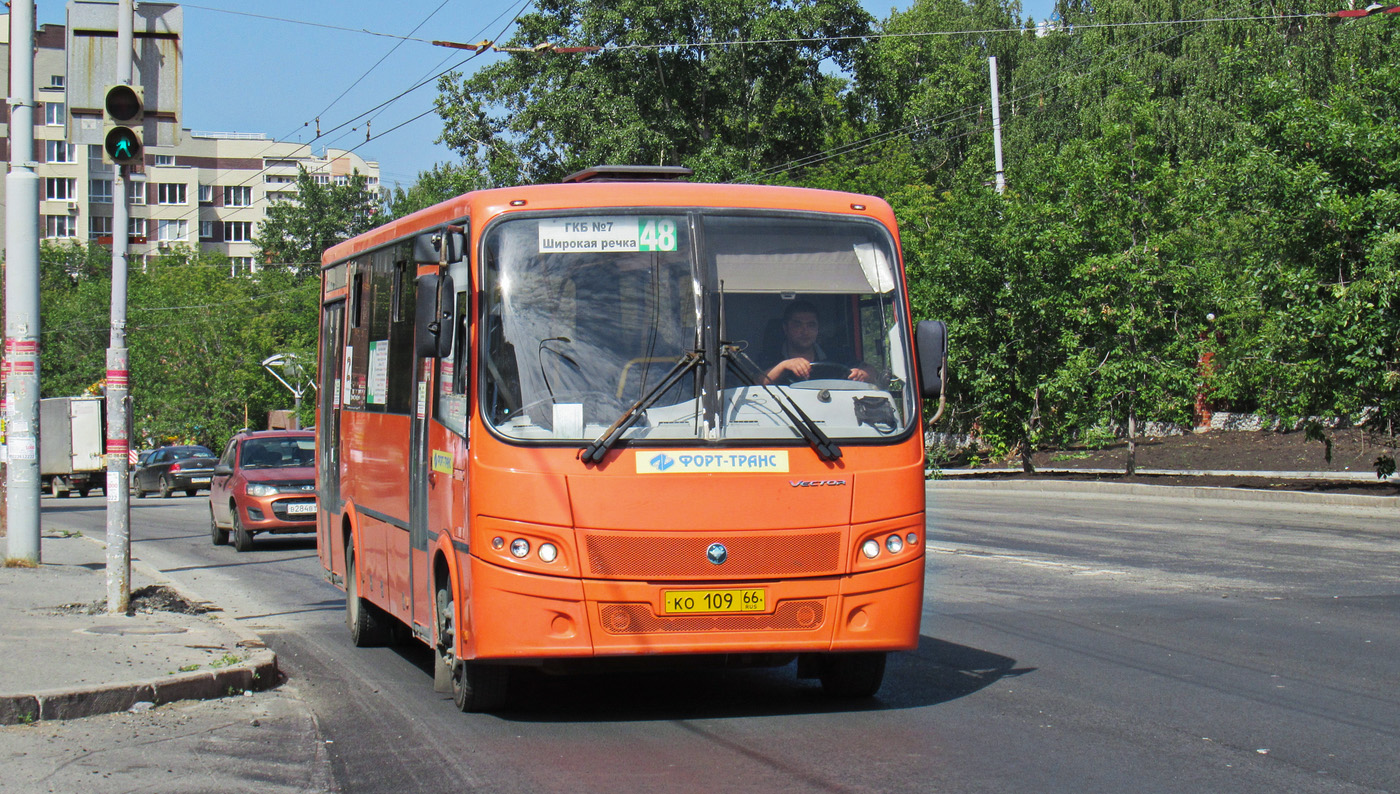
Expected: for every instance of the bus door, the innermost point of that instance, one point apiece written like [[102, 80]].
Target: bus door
[[442, 493], [328, 426]]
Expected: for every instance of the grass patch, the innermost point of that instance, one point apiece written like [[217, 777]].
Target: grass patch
[[1071, 456], [19, 562]]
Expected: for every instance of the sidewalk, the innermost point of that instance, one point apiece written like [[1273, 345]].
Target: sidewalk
[[62, 656]]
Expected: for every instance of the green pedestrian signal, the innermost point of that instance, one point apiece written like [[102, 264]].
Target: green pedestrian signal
[[122, 120]]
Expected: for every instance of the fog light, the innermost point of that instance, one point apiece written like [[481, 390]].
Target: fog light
[[548, 553], [871, 548], [519, 547], [894, 543], [913, 539], [498, 543]]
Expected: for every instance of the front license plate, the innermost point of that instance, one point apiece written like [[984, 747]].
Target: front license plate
[[301, 509], [681, 602]]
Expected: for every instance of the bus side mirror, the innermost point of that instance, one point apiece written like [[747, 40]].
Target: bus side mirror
[[428, 247], [432, 317], [931, 345]]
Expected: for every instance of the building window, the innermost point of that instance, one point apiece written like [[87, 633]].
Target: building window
[[238, 231], [171, 231], [55, 81], [342, 179], [279, 179], [136, 227], [54, 114], [170, 193], [206, 230], [238, 196], [99, 226], [371, 181], [136, 192], [242, 263], [60, 226], [59, 152], [321, 179], [100, 191], [60, 189], [269, 163], [206, 194], [164, 159]]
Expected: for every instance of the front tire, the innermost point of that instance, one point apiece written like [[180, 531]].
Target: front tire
[[853, 675], [242, 538], [479, 687], [367, 625]]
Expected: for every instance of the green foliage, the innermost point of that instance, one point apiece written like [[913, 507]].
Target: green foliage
[[724, 111], [196, 334], [440, 183], [297, 231]]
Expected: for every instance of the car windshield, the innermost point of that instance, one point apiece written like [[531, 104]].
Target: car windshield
[[278, 453], [585, 315]]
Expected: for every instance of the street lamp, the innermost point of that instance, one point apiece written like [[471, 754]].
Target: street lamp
[[290, 364]]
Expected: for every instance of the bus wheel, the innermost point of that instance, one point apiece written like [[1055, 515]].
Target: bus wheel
[[366, 626], [445, 652], [479, 687], [852, 675]]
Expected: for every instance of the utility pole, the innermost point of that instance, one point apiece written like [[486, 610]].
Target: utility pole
[[118, 388], [996, 126], [21, 398]]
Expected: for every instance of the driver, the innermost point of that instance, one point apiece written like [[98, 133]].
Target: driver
[[800, 348]]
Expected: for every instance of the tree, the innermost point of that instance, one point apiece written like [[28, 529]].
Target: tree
[[297, 231], [440, 183], [723, 109]]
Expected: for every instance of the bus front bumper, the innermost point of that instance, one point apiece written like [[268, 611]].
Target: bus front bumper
[[526, 616]]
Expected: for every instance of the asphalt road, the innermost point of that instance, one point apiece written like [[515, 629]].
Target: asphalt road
[[1071, 643]]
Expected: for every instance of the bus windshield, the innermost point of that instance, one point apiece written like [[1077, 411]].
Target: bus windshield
[[586, 315]]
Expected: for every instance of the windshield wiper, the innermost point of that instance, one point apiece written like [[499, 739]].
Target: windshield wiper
[[594, 452], [804, 424]]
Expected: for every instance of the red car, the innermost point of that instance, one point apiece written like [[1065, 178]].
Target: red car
[[265, 482]]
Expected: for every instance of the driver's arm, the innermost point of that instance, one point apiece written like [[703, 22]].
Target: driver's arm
[[799, 367]]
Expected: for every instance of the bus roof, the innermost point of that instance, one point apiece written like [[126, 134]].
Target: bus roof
[[486, 204]]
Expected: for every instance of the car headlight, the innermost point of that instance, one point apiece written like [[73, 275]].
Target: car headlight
[[260, 489]]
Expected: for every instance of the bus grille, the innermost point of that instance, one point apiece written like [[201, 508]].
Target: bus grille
[[674, 556], [639, 619]]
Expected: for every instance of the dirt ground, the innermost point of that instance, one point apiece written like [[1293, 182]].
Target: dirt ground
[[1352, 450]]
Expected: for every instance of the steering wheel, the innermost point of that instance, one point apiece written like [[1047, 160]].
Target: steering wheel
[[829, 370]]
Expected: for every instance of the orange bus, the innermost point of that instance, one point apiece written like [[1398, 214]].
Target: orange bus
[[627, 415]]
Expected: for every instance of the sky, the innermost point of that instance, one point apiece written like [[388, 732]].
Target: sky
[[276, 76]]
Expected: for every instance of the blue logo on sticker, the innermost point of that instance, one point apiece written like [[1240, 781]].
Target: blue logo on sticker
[[663, 462]]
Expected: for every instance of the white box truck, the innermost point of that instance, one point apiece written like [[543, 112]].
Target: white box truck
[[72, 435]]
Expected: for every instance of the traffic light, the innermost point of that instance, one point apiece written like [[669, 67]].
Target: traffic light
[[122, 123]]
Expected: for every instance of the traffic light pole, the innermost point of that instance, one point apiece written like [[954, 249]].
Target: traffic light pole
[[21, 391], [118, 389]]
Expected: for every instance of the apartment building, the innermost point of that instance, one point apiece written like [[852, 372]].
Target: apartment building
[[208, 193]]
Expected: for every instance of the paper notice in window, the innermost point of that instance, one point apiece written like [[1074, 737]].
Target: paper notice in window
[[568, 420]]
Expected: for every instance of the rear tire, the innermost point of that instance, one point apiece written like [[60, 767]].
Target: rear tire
[[166, 489], [368, 626], [84, 491], [219, 536], [188, 491], [853, 675], [242, 538], [58, 488], [445, 652]]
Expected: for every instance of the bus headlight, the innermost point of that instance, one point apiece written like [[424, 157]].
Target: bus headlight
[[548, 553], [519, 547], [871, 548], [894, 543]]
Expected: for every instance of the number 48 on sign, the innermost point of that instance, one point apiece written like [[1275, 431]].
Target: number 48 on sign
[[656, 234]]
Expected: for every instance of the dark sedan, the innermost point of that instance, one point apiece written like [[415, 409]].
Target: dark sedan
[[170, 469]]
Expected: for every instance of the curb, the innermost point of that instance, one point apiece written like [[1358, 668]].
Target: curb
[[1170, 491], [256, 673]]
